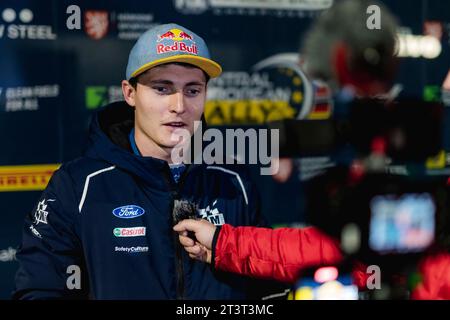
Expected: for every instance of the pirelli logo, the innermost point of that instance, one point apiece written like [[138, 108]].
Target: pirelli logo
[[26, 178]]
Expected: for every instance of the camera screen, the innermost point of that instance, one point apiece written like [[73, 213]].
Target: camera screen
[[401, 224]]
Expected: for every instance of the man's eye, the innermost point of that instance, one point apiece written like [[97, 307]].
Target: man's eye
[[160, 89], [192, 92]]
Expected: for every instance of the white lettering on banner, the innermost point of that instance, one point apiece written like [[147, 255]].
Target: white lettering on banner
[[242, 79], [243, 85], [31, 32], [251, 7], [144, 17], [22, 105], [131, 25], [273, 4], [191, 6], [8, 255], [24, 31], [129, 35], [27, 98], [44, 91]]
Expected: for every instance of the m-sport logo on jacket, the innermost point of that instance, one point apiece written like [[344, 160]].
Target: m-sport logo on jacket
[[128, 212], [212, 214]]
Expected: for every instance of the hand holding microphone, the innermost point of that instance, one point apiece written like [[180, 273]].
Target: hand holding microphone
[[200, 248]]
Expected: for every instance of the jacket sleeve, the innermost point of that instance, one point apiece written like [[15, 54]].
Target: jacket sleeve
[[277, 254], [435, 278], [50, 255]]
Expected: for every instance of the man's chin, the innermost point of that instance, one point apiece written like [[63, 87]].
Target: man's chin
[[171, 145]]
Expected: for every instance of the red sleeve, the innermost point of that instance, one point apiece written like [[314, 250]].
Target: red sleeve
[[277, 254], [435, 274]]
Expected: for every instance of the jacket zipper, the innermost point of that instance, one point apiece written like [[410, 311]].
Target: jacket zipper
[[179, 265]]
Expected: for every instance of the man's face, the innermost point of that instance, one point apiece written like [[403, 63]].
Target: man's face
[[166, 98]]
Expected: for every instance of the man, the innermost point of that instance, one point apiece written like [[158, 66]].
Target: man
[[103, 227]]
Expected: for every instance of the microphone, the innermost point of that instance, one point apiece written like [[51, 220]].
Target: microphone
[[184, 209]]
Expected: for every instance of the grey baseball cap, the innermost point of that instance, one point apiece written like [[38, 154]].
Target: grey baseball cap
[[170, 43]]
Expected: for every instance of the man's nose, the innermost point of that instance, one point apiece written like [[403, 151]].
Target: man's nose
[[177, 102]]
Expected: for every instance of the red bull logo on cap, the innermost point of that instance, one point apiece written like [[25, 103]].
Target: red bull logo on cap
[[167, 35], [176, 35], [179, 37]]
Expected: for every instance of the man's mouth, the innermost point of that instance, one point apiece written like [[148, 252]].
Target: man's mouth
[[175, 124]]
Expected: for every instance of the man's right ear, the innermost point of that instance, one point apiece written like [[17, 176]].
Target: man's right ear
[[128, 92]]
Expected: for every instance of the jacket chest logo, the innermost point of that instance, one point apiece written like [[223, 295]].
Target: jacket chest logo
[[212, 214], [128, 211], [130, 232]]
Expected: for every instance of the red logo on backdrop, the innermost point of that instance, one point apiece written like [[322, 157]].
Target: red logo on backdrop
[[433, 28], [96, 23]]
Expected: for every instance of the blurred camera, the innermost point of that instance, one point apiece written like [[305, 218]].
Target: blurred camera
[[411, 130], [380, 218]]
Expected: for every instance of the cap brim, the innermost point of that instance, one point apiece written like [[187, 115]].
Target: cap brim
[[213, 69]]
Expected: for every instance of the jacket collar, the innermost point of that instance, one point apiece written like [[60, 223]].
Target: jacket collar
[[108, 141]]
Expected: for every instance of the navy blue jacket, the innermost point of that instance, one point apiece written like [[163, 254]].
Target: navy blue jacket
[[107, 217]]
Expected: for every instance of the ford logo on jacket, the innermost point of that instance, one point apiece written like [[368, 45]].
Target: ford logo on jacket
[[128, 212]]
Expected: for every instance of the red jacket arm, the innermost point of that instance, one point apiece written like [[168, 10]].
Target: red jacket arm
[[277, 254], [435, 278]]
